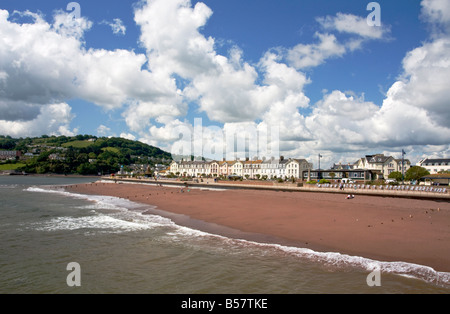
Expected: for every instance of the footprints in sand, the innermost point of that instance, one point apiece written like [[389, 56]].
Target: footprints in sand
[[154, 194], [425, 215]]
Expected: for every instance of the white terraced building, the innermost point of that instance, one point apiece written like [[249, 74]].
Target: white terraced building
[[435, 165], [251, 169]]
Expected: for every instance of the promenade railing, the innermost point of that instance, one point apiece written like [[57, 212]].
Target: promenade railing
[[387, 188]]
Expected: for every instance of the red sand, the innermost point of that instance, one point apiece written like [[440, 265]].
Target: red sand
[[381, 228]]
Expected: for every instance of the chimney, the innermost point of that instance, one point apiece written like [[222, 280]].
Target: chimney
[[281, 157]]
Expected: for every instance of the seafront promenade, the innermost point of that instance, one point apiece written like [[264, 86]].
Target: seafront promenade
[[402, 191]]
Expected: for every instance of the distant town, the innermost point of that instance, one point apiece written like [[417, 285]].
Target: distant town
[[89, 155], [372, 168], [81, 154]]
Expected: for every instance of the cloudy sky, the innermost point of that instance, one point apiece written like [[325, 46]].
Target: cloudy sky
[[317, 72]]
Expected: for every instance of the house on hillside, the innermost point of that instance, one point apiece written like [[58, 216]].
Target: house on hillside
[[9, 154]]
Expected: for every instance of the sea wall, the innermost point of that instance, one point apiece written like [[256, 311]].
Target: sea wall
[[289, 187]]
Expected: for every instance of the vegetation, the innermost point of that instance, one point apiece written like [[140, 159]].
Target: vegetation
[[415, 173], [81, 154], [11, 166], [397, 175], [77, 144]]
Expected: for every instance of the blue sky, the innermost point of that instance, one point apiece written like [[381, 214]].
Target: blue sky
[[147, 69]]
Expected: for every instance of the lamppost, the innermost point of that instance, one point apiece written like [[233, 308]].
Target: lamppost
[[403, 166], [318, 172]]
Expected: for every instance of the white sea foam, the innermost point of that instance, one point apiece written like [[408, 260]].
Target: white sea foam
[[109, 202], [119, 217], [332, 260], [180, 234], [97, 222]]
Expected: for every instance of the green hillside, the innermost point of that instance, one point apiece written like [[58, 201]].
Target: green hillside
[[81, 154]]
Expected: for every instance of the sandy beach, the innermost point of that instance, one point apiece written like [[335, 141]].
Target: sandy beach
[[380, 228]]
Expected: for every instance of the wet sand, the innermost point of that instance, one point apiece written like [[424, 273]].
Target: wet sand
[[380, 228]]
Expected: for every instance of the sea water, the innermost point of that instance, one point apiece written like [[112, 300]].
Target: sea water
[[120, 250]]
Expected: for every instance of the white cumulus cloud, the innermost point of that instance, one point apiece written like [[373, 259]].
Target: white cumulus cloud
[[117, 26], [45, 63]]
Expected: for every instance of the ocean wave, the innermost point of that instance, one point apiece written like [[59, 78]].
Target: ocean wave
[[108, 213], [100, 201], [330, 260], [103, 223], [338, 260], [179, 233]]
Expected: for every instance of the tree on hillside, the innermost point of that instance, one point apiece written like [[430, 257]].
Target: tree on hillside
[[415, 173]]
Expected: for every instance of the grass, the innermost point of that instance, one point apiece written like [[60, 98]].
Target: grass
[[111, 149], [78, 144], [11, 166]]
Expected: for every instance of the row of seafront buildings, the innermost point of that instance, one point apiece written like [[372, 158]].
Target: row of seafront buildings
[[370, 167], [250, 169]]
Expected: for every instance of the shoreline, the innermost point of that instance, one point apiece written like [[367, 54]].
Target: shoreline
[[43, 175], [380, 228], [261, 185]]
